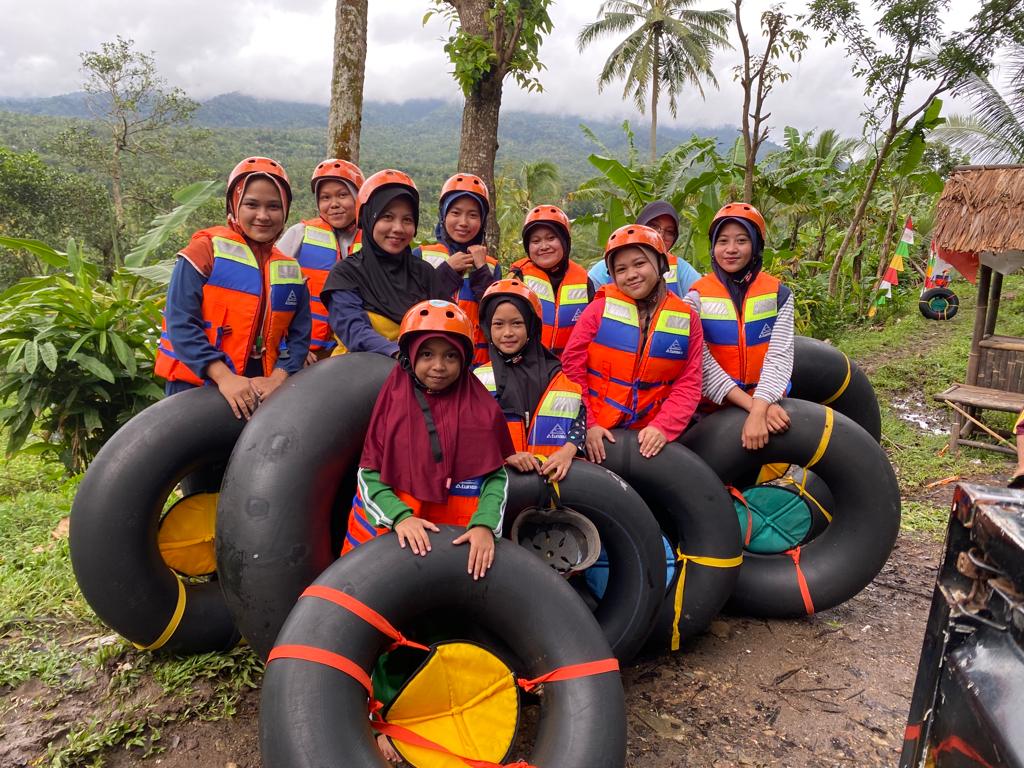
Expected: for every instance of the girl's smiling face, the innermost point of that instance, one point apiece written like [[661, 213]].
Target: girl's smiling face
[[508, 329], [463, 222], [634, 272], [260, 212], [438, 364], [545, 247], [733, 248], [336, 204], [395, 227]]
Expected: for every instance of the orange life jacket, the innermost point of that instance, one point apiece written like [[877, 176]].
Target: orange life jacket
[[560, 313], [437, 254], [231, 301], [549, 425], [463, 499], [739, 341], [317, 255], [628, 376]]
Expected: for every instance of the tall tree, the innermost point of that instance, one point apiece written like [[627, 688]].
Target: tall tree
[[908, 46], [490, 40], [758, 74], [673, 46], [345, 118]]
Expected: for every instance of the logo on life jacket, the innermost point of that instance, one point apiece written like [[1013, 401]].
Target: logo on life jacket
[[576, 316], [765, 332], [556, 433], [674, 349], [292, 299]]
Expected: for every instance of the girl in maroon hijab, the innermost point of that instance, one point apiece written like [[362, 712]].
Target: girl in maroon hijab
[[435, 446]]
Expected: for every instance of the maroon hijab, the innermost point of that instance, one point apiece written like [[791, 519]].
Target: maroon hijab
[[471, 430]]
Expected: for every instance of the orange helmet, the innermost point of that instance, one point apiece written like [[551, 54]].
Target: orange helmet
[[636, 234], [258, 165], [437, 316], [552, 216], [466, 182], [384, 178], [341, 170], [510, 286], [740, 211]]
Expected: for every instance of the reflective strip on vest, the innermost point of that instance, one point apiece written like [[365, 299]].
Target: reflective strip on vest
[[671, 337], [319, 250], [759, 314], [234, 267]]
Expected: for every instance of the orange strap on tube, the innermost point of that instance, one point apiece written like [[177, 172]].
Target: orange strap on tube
[[801, 581], [411, 737], [327, 658], [570, 672], [738, 495], [364, 612]]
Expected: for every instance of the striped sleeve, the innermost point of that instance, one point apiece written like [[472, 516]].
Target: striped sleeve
[[384, 508], [490, 511], [778, 362]]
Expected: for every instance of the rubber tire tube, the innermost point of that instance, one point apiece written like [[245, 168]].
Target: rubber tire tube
[[952, 304], [313, 715], [293, 467], [630, 536], [293, 463], [848, 554], [116, 514], [698, 518], [819, 373]]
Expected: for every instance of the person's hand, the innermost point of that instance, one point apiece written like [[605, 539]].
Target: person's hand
[[595, 443], [651, 440], [755, 428], [481, 550], [413, 530], [777, 418], [237, 390], [387, 749], [311, 357], [264, 386], [460, 261], [556, 466], [479, 254], [524, 461]]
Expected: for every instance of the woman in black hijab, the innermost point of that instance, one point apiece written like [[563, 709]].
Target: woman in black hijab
[[367, 293]]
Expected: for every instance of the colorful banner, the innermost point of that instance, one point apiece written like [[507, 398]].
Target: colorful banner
[[891, 276]]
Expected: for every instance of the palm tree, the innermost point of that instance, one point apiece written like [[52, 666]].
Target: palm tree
[[673, 46], [994, 132]]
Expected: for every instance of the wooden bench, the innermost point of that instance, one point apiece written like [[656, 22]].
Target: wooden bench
[[974, 399]]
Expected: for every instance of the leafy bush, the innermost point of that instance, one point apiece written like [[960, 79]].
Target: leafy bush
[[76, 354]]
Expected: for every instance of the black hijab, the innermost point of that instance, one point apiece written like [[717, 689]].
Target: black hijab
[[388, 283], [738, 282], [442, 212], [520, 380]]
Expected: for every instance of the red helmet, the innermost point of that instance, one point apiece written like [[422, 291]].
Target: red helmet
[[341, 170], [552, 216], [435, 315], [466, 182], [740, 211], [636, 234], [510, 286], [258, 165], [384, 178]]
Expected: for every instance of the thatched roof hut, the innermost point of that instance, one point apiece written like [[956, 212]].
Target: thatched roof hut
[[982, 210]]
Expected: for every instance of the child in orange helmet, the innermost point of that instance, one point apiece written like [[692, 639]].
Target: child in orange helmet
[[561, 284], [636, 349], [319, 242], [748, 326], [368, 293], [543, 408], [436, 444], [461, 227], [237, 313]]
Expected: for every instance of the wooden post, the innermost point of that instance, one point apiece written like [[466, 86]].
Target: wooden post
[[980, 317], [993, 304]]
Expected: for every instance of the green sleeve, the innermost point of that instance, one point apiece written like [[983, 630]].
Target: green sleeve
[[490, 512], [382, 506]]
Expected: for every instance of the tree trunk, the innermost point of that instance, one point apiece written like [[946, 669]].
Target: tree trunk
[[654, 103], [883, 259], [111, 258], [858, 256], [478, 144], [345, 118]]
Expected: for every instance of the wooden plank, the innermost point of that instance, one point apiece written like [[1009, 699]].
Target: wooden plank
[[983, 397], [988, 446], [1011, 343]]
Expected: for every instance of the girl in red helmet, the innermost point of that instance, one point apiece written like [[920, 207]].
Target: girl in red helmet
[[748, 326], [636, 351], [368, 293], [543, 408], [237, 313], [319, 242], [435, 446], [561, 284], [460, 231]]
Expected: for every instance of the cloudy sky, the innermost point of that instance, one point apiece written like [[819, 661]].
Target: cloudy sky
[[282, 49]]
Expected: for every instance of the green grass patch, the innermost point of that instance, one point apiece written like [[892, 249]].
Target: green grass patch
[[925, 517]]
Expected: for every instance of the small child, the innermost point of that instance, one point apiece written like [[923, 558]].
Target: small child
[[436, 444], [237, 313], [461, 227], [368, 293], [748, 326], [319, 242], [544, 410], [561, 284], [636, 349]]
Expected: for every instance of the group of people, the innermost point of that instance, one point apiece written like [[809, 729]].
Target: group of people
[[529, 370]]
